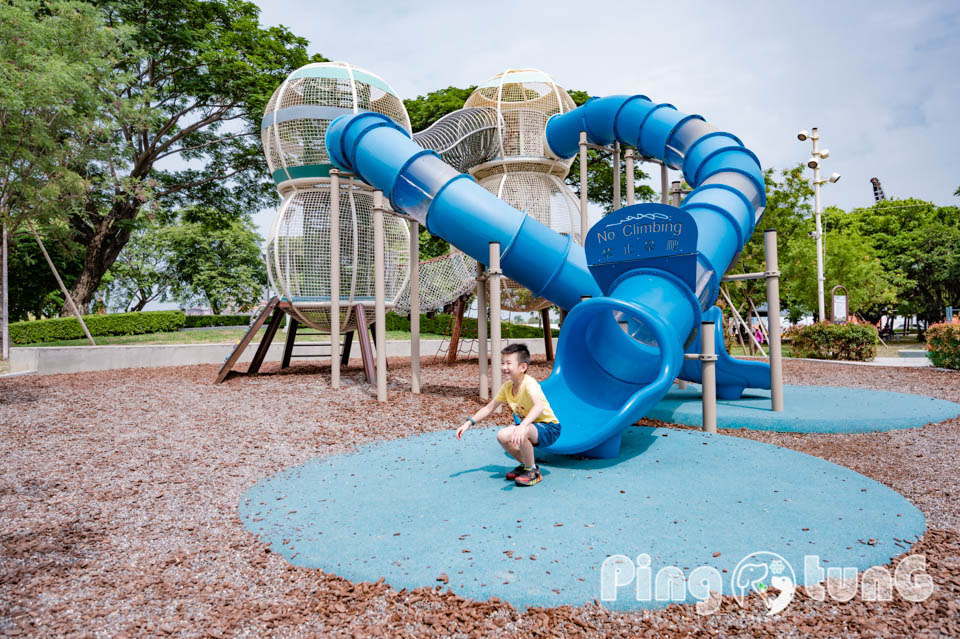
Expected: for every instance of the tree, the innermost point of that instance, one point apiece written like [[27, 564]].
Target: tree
[[921, 242], [788, 206], [142, 273], [185, 119], [424, 110], [215, 260]]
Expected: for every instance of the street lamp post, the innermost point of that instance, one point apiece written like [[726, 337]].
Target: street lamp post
[[815, 161]]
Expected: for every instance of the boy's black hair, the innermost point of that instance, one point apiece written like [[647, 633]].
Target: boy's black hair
[[523, 353]]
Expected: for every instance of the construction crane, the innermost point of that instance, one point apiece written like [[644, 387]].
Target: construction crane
[[878, 195]]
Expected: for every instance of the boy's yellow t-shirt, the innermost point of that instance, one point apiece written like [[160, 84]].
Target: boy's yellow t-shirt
[[521, 403]]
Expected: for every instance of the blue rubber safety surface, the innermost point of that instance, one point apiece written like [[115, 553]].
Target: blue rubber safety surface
[[412, 509], [809, 409]]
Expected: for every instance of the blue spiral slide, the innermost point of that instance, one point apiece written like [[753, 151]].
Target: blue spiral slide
[[652, 271]]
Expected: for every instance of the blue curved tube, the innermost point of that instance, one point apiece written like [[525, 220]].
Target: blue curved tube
[[619, 353]]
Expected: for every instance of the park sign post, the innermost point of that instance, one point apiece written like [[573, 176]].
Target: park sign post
[[840, 312]]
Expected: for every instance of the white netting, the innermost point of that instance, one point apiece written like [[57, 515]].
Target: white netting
[[300, 110], [298, 253], [525, 100], [464, 138], [442, 280], [523, 176]]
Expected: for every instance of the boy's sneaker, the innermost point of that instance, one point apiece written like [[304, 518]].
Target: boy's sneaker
[[529, 477], [516, 471]]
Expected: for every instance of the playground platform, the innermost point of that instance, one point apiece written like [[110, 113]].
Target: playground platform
[[427, 509]]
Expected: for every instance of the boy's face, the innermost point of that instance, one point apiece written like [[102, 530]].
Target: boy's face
[[510, 365]]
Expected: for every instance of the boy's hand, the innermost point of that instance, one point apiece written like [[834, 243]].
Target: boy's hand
[[519, 435], [463, 429]]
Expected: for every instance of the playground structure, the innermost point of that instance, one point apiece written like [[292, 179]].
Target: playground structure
[[637, 286], [648, 274]]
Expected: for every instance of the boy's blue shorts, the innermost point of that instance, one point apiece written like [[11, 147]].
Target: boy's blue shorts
[[547, 433]]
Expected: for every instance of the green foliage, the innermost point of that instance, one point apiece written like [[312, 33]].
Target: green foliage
[[424, 110], [33, 289], [943, 345], [55, 59], [141, 273], [919, 242], [441, 324], [177, 119], [61, 328], [202, 321], [214, 261], [851, 342]]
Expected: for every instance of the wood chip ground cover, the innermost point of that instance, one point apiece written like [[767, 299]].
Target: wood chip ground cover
[[119, 492]]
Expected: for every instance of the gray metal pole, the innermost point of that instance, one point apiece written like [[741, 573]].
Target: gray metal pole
[[816, 199], [334, 278], [4, 298], [664, 184], [675, 192], [584, 224], [380, 307], [631, 186], [66, 293], [415, 306], [484, 358], [617, 201], [494, 277], [708, 364], [773, 318]]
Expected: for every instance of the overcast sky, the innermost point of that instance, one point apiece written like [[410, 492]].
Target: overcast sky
[[880, 79]]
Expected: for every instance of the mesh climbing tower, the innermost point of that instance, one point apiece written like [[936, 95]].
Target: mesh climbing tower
[[522, 174]]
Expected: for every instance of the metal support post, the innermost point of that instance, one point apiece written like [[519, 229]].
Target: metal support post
[[631, 185], [584, 224], [415, 306], [482, 332], [493, 275], [819, 229], [380, 308], [708, 364], [334, 278], [617, 200], [773, 318], [4, 298], [675, 192], [66, 293], [664, 184]]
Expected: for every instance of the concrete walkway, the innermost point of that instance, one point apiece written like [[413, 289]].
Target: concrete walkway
[[47, 360]]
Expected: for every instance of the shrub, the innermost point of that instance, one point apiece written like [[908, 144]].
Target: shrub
[[440, 324], [63, 328], [943, 345], [201, 321], [854, 342]]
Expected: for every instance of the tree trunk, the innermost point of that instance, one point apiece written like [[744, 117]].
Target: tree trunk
[[103, 239], [140, 304]]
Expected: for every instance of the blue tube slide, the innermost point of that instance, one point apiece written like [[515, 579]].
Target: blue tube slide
[[621, 350]]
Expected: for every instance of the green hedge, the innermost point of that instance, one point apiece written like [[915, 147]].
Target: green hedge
[[943, 345], [201, 321], [441, 324], [62, 328], [852, 342]]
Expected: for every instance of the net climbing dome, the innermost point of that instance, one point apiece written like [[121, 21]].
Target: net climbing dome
[[298, 250], [523, 175]]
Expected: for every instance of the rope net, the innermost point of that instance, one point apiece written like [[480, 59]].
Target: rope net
[[300, 110], [298, 254], [464, 138], [523, 175], [442, 280]]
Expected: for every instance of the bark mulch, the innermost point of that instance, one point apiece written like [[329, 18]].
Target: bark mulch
[[119, 493]]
